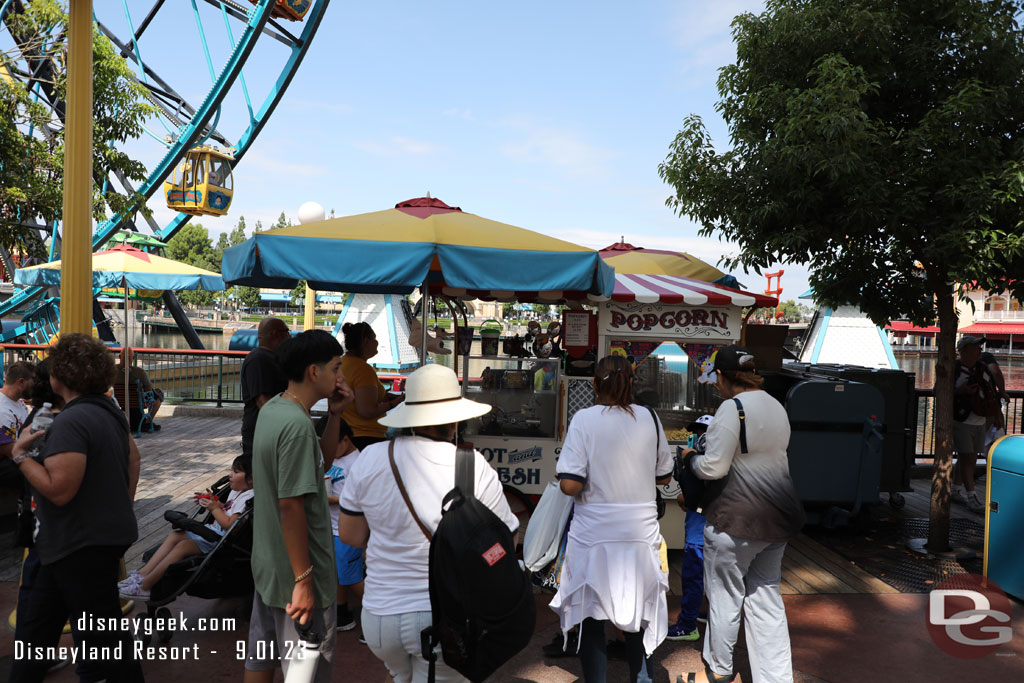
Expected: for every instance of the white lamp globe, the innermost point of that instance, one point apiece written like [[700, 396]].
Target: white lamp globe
[[310, 212]]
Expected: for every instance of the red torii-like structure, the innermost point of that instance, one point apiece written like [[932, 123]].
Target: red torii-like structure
[[777, 292]]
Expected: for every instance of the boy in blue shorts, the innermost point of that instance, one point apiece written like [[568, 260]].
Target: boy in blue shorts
[[692, 577], [349, 560]]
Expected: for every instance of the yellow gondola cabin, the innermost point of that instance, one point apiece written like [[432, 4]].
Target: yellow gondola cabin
[[293, 10], [201, 184]]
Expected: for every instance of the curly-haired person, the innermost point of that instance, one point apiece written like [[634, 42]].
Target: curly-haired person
[[83, 482]]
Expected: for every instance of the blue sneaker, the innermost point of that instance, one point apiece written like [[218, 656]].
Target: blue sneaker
[[677, 632]]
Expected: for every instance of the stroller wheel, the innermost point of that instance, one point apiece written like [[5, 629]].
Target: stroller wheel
[[146, 639], [164, 615]]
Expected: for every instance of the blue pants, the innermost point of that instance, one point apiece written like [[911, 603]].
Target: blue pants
[[693, 586]]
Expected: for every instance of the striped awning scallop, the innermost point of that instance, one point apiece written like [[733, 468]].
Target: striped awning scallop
[[645, 289]]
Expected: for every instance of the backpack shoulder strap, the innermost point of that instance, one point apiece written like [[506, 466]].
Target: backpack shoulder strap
[[465, 477], [405, 494], [743, 426], [657, 430]]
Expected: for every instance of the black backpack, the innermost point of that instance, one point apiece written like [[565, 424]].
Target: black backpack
[[481, 600]]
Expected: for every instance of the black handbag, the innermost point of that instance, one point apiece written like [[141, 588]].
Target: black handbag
[[698, 493]]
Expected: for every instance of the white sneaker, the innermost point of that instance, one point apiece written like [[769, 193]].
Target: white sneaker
[[133, 581], [973, 504]]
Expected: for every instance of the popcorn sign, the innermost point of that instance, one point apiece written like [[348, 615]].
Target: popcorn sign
[[662, 320]]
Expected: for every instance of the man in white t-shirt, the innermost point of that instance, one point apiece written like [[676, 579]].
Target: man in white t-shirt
[[13, 411]]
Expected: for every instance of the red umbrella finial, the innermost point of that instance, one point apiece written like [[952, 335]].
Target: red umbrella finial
[[421, 207], [621, 246]]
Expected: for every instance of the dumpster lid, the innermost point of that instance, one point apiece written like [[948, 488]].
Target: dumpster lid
[[1008, 454]]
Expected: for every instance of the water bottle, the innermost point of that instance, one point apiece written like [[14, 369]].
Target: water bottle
[[43, 419], [41, 423], [306, 655]]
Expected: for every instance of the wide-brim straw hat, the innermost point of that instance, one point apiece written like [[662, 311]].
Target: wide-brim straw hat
[[433, 397]]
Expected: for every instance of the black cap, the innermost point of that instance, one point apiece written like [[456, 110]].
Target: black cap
[[733, 357], [968, 340]]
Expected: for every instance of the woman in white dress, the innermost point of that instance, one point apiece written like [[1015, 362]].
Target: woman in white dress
[[613, 455]]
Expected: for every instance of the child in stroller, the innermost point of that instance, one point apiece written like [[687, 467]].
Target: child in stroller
[[180, 545]]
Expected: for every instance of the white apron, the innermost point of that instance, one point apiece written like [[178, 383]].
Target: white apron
[[613, 571]]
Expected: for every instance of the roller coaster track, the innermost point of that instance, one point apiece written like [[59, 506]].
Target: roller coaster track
[[194, 123]]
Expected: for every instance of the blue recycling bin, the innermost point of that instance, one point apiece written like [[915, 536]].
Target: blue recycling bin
[[1004, 515]]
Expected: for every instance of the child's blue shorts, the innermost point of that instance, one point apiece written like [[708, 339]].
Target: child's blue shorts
[[350, 563]]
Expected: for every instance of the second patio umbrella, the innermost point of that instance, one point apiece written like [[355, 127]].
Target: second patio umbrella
[[128, 268]]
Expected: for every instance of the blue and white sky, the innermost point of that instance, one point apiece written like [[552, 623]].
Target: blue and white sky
[[549, 116]]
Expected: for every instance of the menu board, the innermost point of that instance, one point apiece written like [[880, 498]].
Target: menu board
[[576, 329]]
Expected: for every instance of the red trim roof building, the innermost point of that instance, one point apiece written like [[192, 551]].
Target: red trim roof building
[[995, 331], [901, 328]]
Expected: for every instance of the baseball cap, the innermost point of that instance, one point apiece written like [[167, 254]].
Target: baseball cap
[[703, 420], [968, 341], [731, 357]]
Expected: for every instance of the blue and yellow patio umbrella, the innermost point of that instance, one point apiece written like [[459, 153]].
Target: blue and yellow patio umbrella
[[127, 269], [127, 266], [420, 243]]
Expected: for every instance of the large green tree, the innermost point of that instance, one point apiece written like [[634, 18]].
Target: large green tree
[[192, 245], [32, 134], [880, 142]]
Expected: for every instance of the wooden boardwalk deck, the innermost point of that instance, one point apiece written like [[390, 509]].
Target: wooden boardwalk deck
[[190, 453], [808, 568], [186, 455]]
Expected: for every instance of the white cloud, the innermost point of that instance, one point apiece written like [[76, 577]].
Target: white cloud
[[397, 145], [703, 33], [565, 150], [699, 24], [258, 160], [465, 114]]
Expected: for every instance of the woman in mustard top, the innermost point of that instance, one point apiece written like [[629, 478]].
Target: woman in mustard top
[[372, 399]]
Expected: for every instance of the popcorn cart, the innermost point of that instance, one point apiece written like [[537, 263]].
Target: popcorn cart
[[659, 322]]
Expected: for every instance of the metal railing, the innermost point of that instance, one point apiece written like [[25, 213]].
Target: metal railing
[[184, 375], [1013, 417], [990, 316]]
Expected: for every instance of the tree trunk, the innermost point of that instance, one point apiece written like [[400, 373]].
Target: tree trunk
[[938, 527]]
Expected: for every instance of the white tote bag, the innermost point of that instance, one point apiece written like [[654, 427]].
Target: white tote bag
[[544, 532]]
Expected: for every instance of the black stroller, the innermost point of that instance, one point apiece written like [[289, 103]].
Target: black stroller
[[224, 572]]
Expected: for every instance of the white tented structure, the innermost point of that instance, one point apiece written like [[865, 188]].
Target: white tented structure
[[846, 336], [384, 314]]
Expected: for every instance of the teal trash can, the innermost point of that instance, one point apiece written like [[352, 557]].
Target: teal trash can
[[1004, 516]]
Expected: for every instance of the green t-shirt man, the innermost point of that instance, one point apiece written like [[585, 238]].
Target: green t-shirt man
[[287, 463]]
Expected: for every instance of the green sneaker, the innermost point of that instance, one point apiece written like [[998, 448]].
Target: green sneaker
[[676, 632]]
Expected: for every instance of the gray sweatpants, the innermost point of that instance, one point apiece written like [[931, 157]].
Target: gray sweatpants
[[743, 576]]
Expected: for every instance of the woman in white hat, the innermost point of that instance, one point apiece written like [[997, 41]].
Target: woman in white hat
[[396, 603]]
